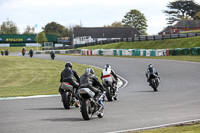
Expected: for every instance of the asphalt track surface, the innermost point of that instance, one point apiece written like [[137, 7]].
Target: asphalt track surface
[[138, 106]]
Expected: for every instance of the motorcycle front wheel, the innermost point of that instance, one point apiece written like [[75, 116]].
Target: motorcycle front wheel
[[154, 85], [100, 115], [86, 109]]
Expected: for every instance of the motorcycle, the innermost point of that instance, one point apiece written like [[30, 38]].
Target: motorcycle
[[23, 52], [89, 106], [31, 53], [111, 89], [2, 52], [68, 97], [154, 82], [52, 55]]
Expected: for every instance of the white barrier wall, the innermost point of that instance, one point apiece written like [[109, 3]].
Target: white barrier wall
[[147, 52], [5, 45], [33, 45], [108, 52], [127, 52]]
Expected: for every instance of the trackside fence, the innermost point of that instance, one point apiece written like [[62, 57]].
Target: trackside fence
[[140, 38], [129, 52]]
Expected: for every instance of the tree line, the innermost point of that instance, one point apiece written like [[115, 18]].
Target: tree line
[[177, 10]]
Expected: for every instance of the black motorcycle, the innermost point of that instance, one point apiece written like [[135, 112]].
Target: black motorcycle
[[6, 52], [31, 53], [68, 97], [2, 52], [154, 81], [52, 55], [90, 106]]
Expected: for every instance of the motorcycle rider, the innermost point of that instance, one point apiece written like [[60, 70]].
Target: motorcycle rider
[[52, 53], [89, 80], [2, 52], [31, 51], [151, 71], [6, 52], [67, 75], [106, 71], [23, 51]]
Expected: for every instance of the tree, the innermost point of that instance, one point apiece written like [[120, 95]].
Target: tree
[[181, 9], [29, 30], [70, 31], [197, 15], [115, 24], [56, 29], [41, 38], [135, 19], [9, 27]]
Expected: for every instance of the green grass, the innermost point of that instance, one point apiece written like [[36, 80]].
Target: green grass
[[28, 76], [190, 128], [161, 44], [193, 31]]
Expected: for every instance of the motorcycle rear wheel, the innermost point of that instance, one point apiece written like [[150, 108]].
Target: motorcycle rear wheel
[[108, 94], [66, 100], [86, 109]]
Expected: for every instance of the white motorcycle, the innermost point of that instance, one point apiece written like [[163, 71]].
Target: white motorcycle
[[89, 106], [111, 89]]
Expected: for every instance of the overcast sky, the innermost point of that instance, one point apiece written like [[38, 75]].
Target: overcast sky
[[91, 13]]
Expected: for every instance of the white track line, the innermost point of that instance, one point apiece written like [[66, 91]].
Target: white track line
[[37, 96], [154, 127]]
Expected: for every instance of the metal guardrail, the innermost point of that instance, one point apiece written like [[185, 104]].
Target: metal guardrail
[[145, 38]]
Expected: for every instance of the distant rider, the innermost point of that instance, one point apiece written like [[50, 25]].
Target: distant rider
[[89, 80], [151, 73], [31, 51], [6, 52], [52, 53], [2, 52], [107, 71], [67, 75], [23, 51]]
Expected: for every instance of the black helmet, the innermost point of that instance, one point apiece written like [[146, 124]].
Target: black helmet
[[108, 66], [68, 64], [89, 70], [150, 65]]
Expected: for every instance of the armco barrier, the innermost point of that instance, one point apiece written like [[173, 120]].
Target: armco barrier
[[115, 52], [129, 52]]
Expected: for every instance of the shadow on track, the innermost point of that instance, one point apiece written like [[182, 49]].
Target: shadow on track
[[64, 119], [47, 109], [146, 91]]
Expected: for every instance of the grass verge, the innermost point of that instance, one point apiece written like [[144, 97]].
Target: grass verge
[[161, 44], [188, 128], [18, 49], [28, 76]]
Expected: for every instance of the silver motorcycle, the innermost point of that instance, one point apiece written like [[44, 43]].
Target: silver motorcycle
[[90, 106]]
